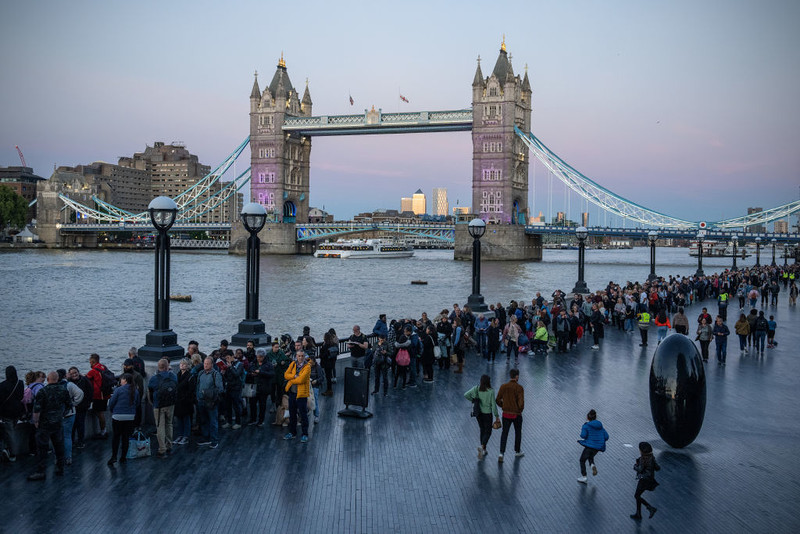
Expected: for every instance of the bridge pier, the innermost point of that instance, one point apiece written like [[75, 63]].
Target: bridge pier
[[276, 238], [499, 243]]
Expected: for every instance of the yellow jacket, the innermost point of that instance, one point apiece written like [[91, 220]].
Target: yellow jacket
[[302, 380]]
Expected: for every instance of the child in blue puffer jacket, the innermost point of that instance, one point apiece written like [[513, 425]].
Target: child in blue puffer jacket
[[593, 439]]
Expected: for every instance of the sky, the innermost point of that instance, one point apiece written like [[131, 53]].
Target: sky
[[686, 107]]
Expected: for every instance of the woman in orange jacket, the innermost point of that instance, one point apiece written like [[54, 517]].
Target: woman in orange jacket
[[662, 322], [298, 386]]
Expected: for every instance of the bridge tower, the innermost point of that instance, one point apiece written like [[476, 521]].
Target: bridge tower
[[279, 163], [499, 158]]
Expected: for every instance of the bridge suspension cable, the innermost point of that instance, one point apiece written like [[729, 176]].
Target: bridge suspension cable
[[622, 207], [192, 203], [596, 193]]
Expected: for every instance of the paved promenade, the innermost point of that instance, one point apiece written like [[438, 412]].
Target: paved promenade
[[413, 466]]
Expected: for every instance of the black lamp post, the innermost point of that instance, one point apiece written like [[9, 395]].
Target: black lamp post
[[758, 252], [700, 235], [652, 236], [580, 286], [477, 227], [735, 238], [774, 241], [785, 254], [254, 216], [161, 342]]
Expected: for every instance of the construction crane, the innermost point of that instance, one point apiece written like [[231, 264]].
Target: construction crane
[[21, 157]]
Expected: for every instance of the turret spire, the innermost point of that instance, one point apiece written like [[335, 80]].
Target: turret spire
[[282, 63], [256, 92]]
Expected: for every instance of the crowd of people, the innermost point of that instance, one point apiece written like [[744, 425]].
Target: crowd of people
[[228, 389]]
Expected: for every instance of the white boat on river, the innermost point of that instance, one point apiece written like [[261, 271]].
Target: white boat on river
[[370, 248]]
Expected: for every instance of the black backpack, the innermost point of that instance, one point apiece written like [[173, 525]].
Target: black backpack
[[107, 382], [167, 393]]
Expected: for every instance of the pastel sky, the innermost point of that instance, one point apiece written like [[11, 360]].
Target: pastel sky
[[687, 107]]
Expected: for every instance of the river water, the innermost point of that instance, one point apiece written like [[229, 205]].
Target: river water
[[59, 306]]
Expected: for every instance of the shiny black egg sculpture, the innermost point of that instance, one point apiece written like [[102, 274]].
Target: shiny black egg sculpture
[[677, 390]]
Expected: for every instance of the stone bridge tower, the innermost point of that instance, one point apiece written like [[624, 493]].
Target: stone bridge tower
[[499, 158], [279, 162]]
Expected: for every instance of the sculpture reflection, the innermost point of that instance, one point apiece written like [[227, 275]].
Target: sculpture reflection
[[677, 390]]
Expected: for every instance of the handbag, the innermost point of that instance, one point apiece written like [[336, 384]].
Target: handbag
[[476, 406], [437, 352], [249, 391], [138, 446], [497, 424]]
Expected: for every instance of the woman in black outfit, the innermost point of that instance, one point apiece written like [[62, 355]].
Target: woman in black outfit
[[445, 331], [429, 339], [264, 372], [328, 354], [184, 405]]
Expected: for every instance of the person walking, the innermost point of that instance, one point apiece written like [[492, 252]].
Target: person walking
[[484, 394], [511, 398], [593, 439], [704, 335], [298, 387], [597, 319], [645, 467], [721, 333], [761, 329], [742, 329], [122, 406], [680, 322]]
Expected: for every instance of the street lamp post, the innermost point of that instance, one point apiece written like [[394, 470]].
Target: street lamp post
[[580, 286], [735, 238], [254, 216], [774, 241], [652, 236], [700, 235], [477, 227], [785, 254], [758, 252], [161, 342]]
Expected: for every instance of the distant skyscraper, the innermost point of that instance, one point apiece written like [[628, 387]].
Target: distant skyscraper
[[756, 227], [418, 203], [781, 227], [585, 218], [561, 217], [440, 206], [405, 204]]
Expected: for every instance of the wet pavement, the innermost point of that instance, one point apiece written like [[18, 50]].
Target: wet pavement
[[413, 467]]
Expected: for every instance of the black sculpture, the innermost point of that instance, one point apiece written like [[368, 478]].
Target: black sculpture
[[677, 390]]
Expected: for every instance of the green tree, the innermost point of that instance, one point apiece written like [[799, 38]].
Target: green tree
[[13, 208]]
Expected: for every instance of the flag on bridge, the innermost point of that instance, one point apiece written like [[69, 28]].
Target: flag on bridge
[[404, 99]]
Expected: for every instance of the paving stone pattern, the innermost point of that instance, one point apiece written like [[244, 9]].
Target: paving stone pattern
[[413, 467]]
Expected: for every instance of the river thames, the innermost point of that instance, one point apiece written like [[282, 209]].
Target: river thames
[[60, 306]]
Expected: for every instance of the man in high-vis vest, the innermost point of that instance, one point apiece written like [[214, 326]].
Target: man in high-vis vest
[[643, 319]]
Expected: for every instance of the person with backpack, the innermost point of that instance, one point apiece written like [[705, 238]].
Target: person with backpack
[[593, 439], [163, 393], [11, 409], [79, 428], [103, 382], [49, 406], [761, 328], [76, 396]]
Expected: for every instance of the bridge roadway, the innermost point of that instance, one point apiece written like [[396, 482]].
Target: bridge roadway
[[413, 467], [441, 231]]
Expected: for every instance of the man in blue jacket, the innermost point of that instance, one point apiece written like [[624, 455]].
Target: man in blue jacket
[[163, 393]]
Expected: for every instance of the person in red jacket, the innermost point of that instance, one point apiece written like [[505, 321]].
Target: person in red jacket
[[99, 401]]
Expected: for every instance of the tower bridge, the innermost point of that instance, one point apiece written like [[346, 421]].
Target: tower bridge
[[282, 127]]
